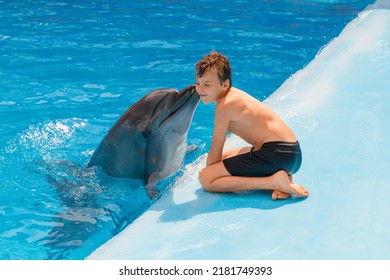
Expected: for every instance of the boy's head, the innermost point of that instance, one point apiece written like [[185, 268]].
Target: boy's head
[[217, 63]]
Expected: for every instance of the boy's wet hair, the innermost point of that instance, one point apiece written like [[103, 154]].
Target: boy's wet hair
[[216, 62]]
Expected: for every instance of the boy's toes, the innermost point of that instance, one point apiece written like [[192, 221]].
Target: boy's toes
[[299, 190], [279, 195]]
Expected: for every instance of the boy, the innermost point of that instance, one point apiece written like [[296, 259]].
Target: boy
[[275, 154]]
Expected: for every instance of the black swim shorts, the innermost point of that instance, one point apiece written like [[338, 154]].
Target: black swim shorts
[[270, 158]]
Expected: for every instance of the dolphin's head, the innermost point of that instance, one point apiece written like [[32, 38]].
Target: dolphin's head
[[167, 136], [180, 107], [163, 109]]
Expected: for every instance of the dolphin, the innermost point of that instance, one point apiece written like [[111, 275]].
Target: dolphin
[[149, 140]]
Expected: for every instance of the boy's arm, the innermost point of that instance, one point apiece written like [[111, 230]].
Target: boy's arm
[[221, 125]]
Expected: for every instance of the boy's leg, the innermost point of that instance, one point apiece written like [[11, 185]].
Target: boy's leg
[[276, 194], [216, 178]]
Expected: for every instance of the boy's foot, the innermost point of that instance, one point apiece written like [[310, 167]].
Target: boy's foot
[[285, 186], [281, 195]]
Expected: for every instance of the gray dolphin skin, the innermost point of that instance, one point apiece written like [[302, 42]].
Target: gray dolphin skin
[[149, 140]]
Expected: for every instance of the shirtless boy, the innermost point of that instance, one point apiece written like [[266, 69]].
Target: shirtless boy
[[275, 153]]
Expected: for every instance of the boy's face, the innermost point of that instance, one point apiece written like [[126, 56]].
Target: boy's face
[[209, 87]]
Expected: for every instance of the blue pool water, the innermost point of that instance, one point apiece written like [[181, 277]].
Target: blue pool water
[[69, 69]]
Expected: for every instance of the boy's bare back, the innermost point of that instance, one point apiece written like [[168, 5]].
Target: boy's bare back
[[250, 119]]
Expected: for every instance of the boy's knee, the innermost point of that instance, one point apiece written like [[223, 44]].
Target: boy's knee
[[204, 180]]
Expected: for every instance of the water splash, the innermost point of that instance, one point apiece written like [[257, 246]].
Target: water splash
[[45, 137]]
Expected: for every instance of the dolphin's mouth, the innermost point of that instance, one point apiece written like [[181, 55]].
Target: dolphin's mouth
[[181, 105]]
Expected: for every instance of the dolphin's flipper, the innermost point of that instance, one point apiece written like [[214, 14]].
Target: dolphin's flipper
[[191, 148], [153, 193]]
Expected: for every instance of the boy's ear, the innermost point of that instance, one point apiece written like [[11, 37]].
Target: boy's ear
[[226, 84]]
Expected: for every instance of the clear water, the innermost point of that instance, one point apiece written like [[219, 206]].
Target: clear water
[[69, 69]]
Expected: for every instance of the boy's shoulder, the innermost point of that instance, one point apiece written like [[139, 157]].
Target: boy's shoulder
[[232, 101]]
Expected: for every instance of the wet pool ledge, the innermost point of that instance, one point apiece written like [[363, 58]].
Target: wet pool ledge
[[339, 107]]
